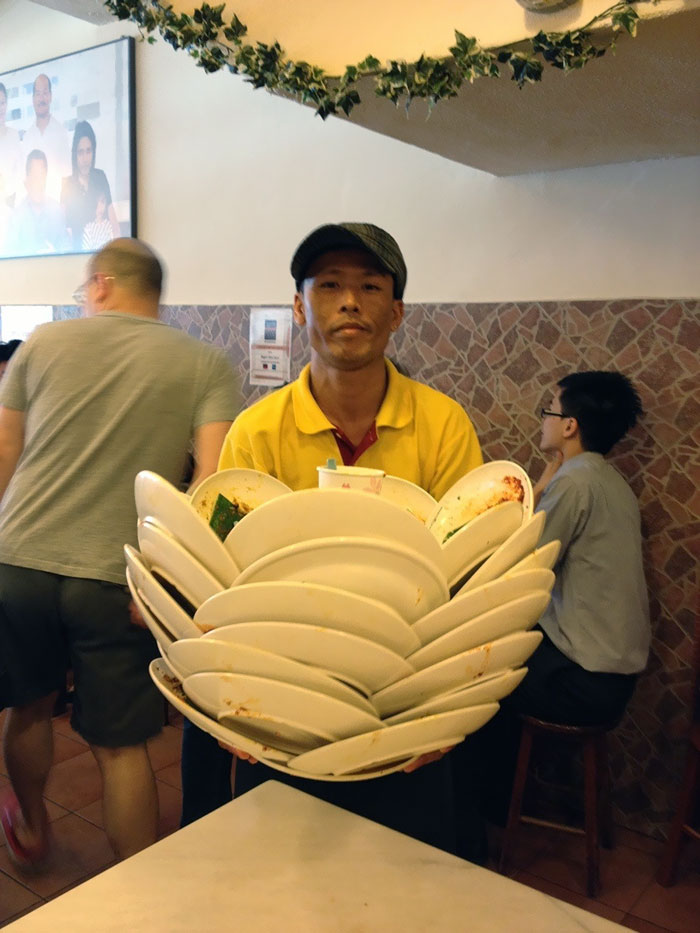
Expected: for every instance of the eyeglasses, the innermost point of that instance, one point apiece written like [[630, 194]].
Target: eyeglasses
[[80, 294], [545, 412]]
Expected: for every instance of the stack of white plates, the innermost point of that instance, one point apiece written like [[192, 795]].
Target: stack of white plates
[[320, 637]]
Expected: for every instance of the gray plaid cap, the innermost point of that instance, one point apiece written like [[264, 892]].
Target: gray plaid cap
[[352, 236]]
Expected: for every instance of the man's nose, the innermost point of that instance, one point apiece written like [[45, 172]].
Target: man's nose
[[350, 299]]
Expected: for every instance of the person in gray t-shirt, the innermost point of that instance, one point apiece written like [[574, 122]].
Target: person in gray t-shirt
[[84, 406]]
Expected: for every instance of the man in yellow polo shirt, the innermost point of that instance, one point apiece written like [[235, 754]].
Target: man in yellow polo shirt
[[349, 403]]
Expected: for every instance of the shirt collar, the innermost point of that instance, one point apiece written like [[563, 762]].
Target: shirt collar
[[396, 411]]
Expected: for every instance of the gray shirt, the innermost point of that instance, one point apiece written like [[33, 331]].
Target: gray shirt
[[599, 613], [103, 397]]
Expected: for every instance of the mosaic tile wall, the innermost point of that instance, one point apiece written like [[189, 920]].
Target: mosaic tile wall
[[500, 362]]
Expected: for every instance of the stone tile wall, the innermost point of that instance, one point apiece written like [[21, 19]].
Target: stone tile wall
[[500, 362]]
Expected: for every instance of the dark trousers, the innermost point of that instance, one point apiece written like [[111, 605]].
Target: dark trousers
[[420, 804], [555, 689]]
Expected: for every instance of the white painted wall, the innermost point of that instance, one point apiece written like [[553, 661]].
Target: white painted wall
[[230, 179]]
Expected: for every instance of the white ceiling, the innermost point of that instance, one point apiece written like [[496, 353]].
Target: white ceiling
[[641, 103]]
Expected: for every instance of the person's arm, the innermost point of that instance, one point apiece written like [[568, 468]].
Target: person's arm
[[208, 440], [11, 444], [550, 469]]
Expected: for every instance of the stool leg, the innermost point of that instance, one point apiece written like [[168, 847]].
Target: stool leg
[[669, 861], [606, 824], [516, 797], [592, 817]]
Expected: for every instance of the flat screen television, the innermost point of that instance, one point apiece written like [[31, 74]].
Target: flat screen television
[[67, 152]]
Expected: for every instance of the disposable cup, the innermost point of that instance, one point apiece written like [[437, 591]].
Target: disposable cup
[[363, 479]]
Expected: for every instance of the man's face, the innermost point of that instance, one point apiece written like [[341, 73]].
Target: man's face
[[41, 97], [84, 156], [348, 307], [552, 427], [36, 181]]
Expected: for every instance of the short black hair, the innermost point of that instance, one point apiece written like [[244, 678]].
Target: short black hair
[[83, 130], [605, 405], [36, 155], [3, 90], [7, 349]]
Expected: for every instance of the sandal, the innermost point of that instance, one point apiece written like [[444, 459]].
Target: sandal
[[27, 858]]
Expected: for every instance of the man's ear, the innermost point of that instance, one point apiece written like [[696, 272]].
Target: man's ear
[[298, 310], [396, 313], [570, 427]]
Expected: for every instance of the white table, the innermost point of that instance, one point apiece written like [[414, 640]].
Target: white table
[[279, 860]]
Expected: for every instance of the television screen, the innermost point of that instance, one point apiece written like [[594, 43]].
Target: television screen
[[67, 160]]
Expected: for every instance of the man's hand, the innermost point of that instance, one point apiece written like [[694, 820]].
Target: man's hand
[[239, 753], [547, 474], [135, 616], [427, 758]]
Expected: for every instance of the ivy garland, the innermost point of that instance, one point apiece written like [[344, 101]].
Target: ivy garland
[[215, 45]]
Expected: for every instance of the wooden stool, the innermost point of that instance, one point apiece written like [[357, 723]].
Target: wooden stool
[[597, 821]]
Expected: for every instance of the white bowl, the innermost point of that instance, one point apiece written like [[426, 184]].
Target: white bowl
[[250, 488], [479, 490]]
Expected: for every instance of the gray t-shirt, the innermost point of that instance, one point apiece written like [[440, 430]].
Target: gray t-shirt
[[103, 397], [599, 613]]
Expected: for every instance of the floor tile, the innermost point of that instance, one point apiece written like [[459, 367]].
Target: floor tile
[[530, 841], [61, 725], [170, 806], [171, 775], [642, 926], [79, 850], [76, 782], [65, 747], [624, 872], [571, 897], [14, 897], [676, 908], [628, 837], [165, 749]]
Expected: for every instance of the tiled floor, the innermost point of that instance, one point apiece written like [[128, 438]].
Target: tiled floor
[[549, 861]]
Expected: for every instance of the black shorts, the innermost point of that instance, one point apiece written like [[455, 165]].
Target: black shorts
[[50, 623]]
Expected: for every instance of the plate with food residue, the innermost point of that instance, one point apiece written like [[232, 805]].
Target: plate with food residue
[[478, 491], [244, 489]]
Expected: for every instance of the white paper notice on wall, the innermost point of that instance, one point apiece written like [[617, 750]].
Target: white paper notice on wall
[[270, 346]]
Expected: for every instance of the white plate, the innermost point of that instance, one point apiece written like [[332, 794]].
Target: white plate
[[323, 513], [544, 557], [357, 660], [489, 690], [259, 698], [514, 616], [374, 748], [465, 606], [158, 498], [159, 632], [250, 488], [199, 655], [408, 497], [477, 491], [171, 560], [478, 539], [521, 543], [310, 604], [171, 616], [456, 672], [378, 569], [169, 684]]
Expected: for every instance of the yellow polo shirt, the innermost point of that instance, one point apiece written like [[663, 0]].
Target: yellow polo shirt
[[422, 436]]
